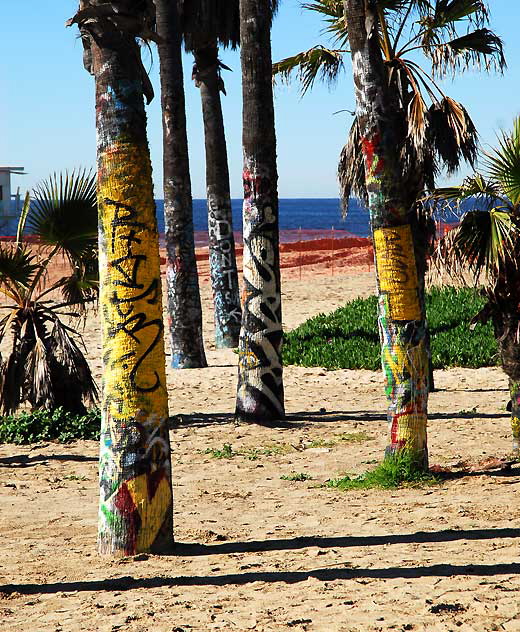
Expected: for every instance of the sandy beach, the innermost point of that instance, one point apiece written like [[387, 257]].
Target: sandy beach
[[255, 551]]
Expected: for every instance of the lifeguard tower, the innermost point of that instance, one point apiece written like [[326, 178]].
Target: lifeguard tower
[[10, 204]]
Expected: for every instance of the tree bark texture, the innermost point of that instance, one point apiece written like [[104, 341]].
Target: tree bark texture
[[401, 319], [260, 386], [136, 512], [222, 258], [184, 306], [514, 392]]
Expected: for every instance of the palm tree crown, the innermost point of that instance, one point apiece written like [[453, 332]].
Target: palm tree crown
[[435, 130]]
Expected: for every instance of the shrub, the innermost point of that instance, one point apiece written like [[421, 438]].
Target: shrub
[[348, 337], [46, 425]]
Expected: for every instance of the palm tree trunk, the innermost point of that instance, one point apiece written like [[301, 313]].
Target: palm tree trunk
[[222, 259], [135, 469], [514, 391], [260, 384], [184, 304], [402, 331]]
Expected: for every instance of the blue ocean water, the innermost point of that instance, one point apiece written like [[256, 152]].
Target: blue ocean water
[[307, 214]]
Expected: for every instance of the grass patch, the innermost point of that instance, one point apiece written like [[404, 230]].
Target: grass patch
[[45, 425], [296, 476], [225, 453], [355, 437], [348, 337], [253, 454], [395, 471]]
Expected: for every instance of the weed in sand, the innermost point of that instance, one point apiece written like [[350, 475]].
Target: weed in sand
[[395, 471], [225, 453], [296, 476]]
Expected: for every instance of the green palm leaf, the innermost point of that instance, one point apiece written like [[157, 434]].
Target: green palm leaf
[[17, 266], [503, 163], [64, 213], [317, 62]]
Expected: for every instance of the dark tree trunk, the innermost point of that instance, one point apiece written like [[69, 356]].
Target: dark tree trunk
[[401, 323], [136, 511], [222, 259], [184, 304], [260, 385]]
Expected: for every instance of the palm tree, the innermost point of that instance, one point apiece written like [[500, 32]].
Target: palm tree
[[260, 384], [433, 131], [45, 366], [401, 324], [487, 244], [184, 306], [135, 467], [206, 24]]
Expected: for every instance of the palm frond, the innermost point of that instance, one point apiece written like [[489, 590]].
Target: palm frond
[[417, 121], [64, 212], [70, 368], [452, 133], [351, 170], [333, 14], [23, 217], [503, 163], [483, 243], [317, 62], [17, 266], [481, 49]]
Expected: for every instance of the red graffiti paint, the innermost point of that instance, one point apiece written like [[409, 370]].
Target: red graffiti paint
[[126, 506], [370, 148]]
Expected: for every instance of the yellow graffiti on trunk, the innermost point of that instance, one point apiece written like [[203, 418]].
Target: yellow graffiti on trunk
[[135, 402], [152, 511], [397, 271]]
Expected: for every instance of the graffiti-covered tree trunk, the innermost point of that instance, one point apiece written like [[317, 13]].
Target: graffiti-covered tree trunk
[[135, 472], [260, 385], [401, 322], [223, 267], [184, 306]]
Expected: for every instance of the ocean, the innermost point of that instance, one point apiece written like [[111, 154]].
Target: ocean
[[314, 216], [303, 218]]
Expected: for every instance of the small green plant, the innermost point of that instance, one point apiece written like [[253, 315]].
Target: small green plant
[[355, 437], [253, 454], [49, 425], [73, 477], [394, 471], [225, 453], [296, 476], [321, 443]]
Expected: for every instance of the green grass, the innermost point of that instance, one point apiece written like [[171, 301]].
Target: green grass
[[45, 425], [253, 454], [296, 476], [348, 337], [393, 472], [225, 453]]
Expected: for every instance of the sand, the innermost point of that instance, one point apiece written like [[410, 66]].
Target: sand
[[256, 552]]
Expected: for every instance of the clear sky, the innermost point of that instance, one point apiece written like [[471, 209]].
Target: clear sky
[[47, 100]]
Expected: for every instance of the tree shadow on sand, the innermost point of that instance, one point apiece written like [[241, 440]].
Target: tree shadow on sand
[[302, 418], [344, 572], [24, 460]]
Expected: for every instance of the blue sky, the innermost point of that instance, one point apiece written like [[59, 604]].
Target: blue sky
[[47, 100]]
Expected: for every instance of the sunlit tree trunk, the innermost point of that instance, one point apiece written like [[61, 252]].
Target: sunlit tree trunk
[[184, 306], [402, 330], [223, 267], [260, 385], [135, 468]]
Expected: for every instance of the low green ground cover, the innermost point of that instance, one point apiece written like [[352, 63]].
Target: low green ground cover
[[45, 425], [399, 470], [348, 337]]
